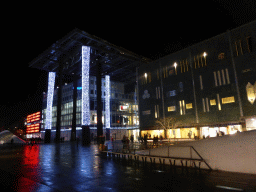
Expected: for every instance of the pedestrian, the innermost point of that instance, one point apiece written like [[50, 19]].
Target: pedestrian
[[132, 138]]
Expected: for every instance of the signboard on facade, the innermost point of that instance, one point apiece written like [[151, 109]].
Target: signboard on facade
[[33, 123]]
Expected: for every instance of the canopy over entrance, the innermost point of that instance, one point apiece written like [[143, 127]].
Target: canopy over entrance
[[115, 61]]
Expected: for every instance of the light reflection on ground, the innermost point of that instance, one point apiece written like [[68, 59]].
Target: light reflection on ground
[[68, 167]]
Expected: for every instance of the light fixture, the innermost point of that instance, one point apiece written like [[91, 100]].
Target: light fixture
[[204, 54], [175, 65]]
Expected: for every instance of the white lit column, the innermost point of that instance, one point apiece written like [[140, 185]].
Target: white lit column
[[85, 85], [107, 101], [51, 82]]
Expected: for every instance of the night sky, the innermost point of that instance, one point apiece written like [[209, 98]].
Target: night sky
[[152, 30]]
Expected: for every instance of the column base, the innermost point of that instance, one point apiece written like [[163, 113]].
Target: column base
[[107, 134], [47, 136], [86, 140], [73, 136]]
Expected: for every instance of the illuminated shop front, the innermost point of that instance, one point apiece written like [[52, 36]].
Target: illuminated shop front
[[207, 131], [153, 133], [250, 123], [185, 133]]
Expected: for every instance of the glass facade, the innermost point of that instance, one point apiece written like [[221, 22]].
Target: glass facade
[[123, 107]]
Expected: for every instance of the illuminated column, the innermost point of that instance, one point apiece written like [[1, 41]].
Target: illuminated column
[[48, 123], [107, 106], [85, 85], [51, 82], [85, 95]]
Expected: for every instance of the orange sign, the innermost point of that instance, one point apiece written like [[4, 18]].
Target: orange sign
[[33, 122]]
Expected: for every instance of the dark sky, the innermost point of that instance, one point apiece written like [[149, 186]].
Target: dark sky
[[152, 30]]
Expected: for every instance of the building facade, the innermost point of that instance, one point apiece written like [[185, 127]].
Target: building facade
[[124, 118], [209, 88]]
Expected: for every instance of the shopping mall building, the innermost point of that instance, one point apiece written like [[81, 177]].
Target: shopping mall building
[[97, 88], [209, 88], [92, 90]]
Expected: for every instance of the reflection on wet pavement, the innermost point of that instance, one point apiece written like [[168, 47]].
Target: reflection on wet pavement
[[68, 167]]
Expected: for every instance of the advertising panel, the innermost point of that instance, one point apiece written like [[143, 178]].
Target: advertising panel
[[33, 123]]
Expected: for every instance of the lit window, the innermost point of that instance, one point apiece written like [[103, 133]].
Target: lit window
[[226, 100], [213, 102], [171, 108], [189, 106]]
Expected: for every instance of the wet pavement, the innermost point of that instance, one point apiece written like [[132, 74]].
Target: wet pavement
[[72, 167]]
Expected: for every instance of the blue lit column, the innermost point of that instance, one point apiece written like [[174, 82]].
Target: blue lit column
[[85, 95], [48, 120], [107, 106]]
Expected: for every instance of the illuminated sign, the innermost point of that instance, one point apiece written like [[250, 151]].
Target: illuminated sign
[[33, 122], [123, 107], [78, 88]]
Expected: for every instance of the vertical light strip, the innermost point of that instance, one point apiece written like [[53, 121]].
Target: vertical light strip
[[203, 104], [184, 108], [158, 115], [155, 112], [201, 82], [223, 77], [215, 78], [218, 98], [219, 78], [207, 104], [85, 85], [227, 75], [51, 82], [107, 100], [181, 108]]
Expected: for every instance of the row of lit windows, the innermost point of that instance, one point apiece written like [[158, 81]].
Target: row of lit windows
[[169, 70], [243, 45], [221, 77], [224, 100], [200, 60], [205, 101]]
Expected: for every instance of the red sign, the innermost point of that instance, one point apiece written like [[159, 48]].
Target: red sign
[[33, 122]]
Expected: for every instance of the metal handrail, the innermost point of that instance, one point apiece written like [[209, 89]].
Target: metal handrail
[[136, 147], [201, 157]]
